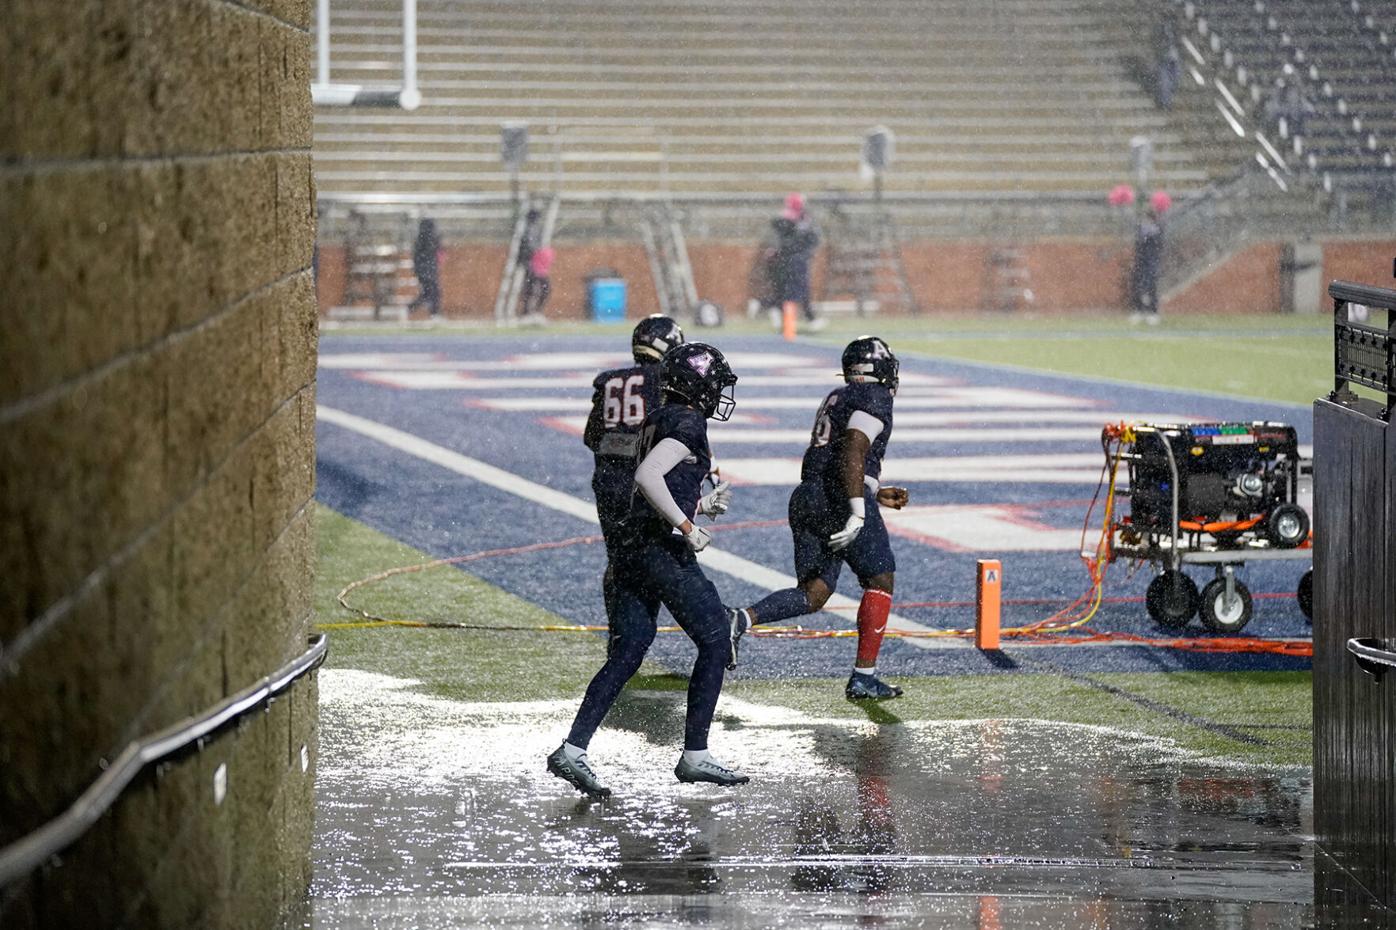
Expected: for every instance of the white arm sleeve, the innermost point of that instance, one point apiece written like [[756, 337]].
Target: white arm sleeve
[[649, 477], [865, 423]]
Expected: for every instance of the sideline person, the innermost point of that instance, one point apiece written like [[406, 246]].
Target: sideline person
[[426, 265], [796, 240]]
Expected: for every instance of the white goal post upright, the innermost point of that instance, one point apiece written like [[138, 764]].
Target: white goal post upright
[[324, 93]]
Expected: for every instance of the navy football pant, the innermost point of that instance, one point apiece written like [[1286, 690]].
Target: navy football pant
[[662, 572], [812, 520]]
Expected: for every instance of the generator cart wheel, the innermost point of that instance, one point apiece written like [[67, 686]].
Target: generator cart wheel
[[1222, 614], [1171, 599], [1306, 595], [1287, 526]]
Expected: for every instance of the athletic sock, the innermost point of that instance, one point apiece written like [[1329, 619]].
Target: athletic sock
[[573, 753], [872, 623], [781, 605], [696, 756], [870, 672]]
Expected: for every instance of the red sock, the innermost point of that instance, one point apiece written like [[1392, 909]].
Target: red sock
[[872, 621]]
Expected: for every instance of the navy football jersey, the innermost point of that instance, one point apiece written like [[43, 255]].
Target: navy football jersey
[[684, 480], [621, 399], [824, 458]]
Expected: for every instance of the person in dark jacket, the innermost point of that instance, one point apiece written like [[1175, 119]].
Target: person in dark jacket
[[426, 265], [537, 285], [1148, 259], [796, 240]]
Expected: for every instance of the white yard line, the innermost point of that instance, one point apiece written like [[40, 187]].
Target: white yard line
[[712, 557], [1081, 468], [748, 431], [547, 361], [417, 379], [964, 405]]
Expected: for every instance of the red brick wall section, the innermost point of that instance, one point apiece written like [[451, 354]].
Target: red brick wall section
[[1247, 281], [1364, 261], [1065, 276]]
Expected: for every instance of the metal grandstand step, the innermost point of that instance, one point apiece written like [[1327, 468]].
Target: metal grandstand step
[[538, 232], [744, 97], [1009, 287], [667, 250], [378, 262], [865, 261]]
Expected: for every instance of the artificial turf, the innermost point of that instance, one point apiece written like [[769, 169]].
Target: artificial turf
[[1274, 358], [1285, 359], [1257, 717]]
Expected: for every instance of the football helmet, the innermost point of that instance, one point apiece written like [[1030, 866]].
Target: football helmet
[[869, 358], [653, 336], [697, 373]]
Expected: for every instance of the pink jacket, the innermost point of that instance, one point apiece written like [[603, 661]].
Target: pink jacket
[[541, 262]]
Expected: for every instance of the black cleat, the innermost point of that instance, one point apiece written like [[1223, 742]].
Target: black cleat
[[862, 687], [577, 773], [738, 622], [708, 770]]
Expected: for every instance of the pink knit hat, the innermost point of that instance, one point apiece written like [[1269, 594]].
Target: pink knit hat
[[1160, 201], [1121, 195], [794, 206]]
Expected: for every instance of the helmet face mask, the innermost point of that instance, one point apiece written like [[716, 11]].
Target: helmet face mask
[[698, 374], [870, 359], [653, 336], [725, 403]]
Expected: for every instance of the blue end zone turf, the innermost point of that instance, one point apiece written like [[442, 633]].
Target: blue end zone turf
[[1000, 464]]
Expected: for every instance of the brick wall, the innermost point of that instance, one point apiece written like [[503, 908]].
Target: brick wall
[[1066, 275], [156, 444]]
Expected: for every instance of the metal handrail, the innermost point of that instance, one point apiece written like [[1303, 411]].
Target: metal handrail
[[1364, 354], [1371, 657], [29, 852]]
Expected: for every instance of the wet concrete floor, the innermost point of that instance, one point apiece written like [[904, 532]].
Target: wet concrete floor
[[435, 813]]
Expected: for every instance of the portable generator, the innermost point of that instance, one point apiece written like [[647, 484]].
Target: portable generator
[[1223, 479], [1213, 494]]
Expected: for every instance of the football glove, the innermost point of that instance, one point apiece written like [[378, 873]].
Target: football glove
[[697, 538], [716, 503], [843, 537]]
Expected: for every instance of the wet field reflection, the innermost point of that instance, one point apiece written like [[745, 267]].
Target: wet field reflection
[[432, 807]]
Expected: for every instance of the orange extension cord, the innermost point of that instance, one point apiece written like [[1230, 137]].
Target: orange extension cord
[[1065, 627]]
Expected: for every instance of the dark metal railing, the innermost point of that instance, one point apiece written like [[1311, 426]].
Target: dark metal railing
[[28, 853], [1372, 655], [1364, 354]]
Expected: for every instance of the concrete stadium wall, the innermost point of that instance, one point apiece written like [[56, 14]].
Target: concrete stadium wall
[[1066, 275], [157, 378]]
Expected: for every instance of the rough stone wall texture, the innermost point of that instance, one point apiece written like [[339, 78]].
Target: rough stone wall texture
[[157, 378]]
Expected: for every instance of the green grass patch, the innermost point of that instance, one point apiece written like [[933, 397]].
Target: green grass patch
[[1274, 358], [471, 665], [466, 665]]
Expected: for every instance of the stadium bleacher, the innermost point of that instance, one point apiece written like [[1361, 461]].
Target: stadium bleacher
[[752, 98], [1340, 58]]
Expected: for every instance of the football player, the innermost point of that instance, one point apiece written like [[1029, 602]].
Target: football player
[[654, 562], [833, 511], [621, 399]]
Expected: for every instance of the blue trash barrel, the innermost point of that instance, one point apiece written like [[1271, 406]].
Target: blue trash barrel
[[606, 299]]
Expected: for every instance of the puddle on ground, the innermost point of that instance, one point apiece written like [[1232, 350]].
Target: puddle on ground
[[442, 813]]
